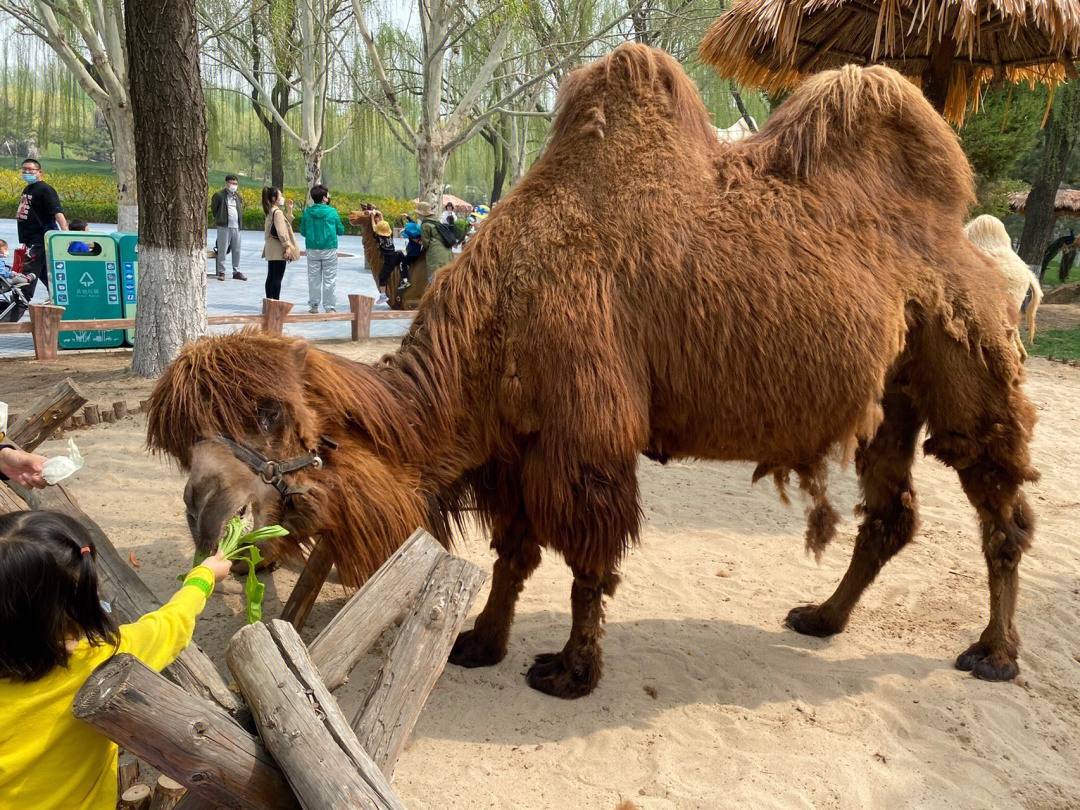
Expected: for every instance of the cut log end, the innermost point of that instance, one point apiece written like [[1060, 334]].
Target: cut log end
[[136, 797]]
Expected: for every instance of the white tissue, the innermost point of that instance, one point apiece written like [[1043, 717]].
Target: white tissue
[[3, 418], [61, 467]]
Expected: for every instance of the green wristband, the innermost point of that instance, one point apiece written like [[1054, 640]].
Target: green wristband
[[200, 583]]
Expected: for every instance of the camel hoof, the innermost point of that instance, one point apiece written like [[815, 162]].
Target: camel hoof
[[987, 664], [550, 675], [470, 651], [810, 621]]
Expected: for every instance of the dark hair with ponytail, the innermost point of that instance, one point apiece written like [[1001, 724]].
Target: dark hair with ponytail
[[269, 197], [48, 593]]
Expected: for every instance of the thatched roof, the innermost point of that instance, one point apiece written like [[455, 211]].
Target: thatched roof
[[1066, 202], [774, 43]]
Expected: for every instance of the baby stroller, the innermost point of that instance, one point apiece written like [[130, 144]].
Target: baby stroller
[[15, 292]]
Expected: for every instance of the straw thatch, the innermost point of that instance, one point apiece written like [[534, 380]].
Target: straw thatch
[[1066, 202], [774, 43]]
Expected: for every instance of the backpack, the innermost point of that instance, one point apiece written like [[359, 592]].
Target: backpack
[[447, 234]]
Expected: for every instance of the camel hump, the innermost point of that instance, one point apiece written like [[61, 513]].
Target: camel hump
[[875, 128]]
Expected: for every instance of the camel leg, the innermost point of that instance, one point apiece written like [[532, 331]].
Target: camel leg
[[1007, 522], [889, 509], [519, 556]]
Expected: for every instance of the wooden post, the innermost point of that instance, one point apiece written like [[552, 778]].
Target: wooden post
[[120, 409], [301, 724], [307, 587], [130, 598], [136, 797], [11, 502], [167, 793], [92, 414], [382, 600], [273, 315], [360, 306], [108, 415], [49, 412], [127, 773], [182, 735], [45, 329], [417, 658]]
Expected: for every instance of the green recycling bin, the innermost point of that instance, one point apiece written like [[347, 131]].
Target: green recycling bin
[[86, 282], [127, 255]]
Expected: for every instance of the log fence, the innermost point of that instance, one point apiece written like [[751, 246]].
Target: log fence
[[46, 324]]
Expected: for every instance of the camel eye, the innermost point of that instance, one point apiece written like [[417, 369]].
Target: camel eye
[[271, 416]]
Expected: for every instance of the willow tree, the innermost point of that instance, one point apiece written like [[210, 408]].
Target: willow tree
[[454, 108], [170, 149], [89, 38]]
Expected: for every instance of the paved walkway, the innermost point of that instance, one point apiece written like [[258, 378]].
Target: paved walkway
[[232, 297]]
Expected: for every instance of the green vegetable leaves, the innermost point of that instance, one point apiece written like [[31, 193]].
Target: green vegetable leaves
[[253, 589]]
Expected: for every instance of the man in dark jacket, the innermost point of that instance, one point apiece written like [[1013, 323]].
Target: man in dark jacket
[[39, 211], [227, 208]]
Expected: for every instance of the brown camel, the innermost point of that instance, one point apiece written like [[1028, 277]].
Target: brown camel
[[410, 299], [647, 289]]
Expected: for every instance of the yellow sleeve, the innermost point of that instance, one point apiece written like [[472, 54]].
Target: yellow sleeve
[[158, 637]]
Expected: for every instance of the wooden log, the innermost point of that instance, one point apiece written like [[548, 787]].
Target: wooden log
[[49, 412], [167, 793], [130, 598], [120, 409], [191, 739], [417, 658], [360, 306], [136, 797], [273, 315], [45, 329], [144, 405], [300, 722], [127, 772], [108, 415], [92, 415], [307, 587], [193, 801], [11, 502], [381, 602], [78, 420]]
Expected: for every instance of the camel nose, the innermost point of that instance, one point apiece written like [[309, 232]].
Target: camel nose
[[209, 506]]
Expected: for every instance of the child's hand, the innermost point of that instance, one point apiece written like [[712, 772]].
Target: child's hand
[[22, 467], [218, 565]]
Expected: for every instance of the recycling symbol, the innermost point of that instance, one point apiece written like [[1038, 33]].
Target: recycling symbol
[[87, 280]]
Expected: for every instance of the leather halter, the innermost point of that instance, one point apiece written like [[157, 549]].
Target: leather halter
[[274, 472]]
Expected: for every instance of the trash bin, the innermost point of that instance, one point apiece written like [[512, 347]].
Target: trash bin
[[127, 254], [85, 281]]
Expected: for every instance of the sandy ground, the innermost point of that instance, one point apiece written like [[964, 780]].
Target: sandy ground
[[707, 701]]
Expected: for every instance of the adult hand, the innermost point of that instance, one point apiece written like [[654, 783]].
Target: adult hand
[[289, 204], [23, 468]]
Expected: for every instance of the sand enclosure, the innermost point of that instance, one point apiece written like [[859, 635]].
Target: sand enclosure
[[707, 701]]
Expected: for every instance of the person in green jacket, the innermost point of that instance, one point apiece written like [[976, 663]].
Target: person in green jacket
[[438, 254], [320, 227]]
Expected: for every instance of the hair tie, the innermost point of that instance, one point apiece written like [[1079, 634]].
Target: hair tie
[[84, 549]]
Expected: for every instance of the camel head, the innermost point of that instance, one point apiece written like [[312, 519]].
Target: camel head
[[229, 405]]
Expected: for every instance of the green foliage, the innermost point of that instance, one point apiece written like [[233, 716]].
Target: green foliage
[[461, 225], [1061, 343], [1003, 130], [993, 197]]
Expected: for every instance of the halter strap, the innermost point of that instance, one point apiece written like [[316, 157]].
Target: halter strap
[[274, 472]]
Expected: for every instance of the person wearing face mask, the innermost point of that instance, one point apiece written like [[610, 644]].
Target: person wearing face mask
[[228, 210], [39, 211], [279, 246]]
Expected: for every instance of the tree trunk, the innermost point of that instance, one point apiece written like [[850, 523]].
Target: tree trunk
[[312, 167], [1062, 129], [122, 129], [170, 150], [277, 166], [432, 162]]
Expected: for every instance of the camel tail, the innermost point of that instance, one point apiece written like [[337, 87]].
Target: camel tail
[[1033, 307], [874, 128]]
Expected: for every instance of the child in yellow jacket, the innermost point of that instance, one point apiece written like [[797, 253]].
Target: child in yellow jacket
[[54, 630]]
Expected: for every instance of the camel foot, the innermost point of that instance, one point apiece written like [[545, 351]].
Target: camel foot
[[988, 664], [551, 675], [473, 650], [811, 620]]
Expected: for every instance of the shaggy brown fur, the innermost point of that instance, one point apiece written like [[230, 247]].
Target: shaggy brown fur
[[374, 261], [646, 289]]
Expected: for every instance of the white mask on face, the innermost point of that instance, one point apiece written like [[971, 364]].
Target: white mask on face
[[231, 186]]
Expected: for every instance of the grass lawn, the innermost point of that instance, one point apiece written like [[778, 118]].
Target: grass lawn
[[1050, 277], [1061, 343], [105, 169]]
